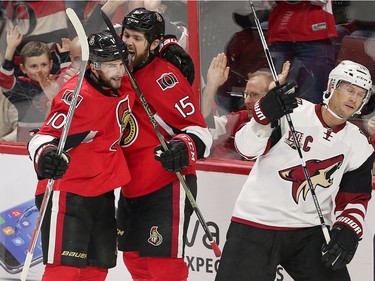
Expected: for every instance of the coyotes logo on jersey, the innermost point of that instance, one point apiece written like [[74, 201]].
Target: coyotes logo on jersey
[[320, 172]]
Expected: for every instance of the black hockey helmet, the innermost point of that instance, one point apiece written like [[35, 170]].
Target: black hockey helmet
[[151, 23], [102, 47]]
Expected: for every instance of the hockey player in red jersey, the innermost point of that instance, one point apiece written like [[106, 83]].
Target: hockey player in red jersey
[[275, 219], [79, 228], [153, 212]]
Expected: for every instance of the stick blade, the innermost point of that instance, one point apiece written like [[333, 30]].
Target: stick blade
[[80, 32], [26, 266]]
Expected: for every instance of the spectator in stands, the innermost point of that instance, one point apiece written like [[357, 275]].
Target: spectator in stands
[[361, 15], [304, 32], [75, 55], [31, 94], [371, 126], [42, 21], [245, 54], [8, 120], [223, 128]]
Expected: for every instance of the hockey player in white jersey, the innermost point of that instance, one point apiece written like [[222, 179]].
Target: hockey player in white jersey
[[275, 219]]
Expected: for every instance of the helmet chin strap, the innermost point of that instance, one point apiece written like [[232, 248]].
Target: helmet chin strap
[[333, 113]]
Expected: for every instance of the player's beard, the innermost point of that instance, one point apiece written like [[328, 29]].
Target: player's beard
[[112, 82], [140, 59]]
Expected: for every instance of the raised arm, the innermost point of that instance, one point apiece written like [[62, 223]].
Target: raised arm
[[217, 74], [14, 38]]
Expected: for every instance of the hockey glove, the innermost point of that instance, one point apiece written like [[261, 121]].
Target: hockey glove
[[172, 51], [278, 102], [48, 164], [340, 250], [181, 153]]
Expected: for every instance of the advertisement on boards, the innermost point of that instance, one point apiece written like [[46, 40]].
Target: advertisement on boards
[[217, 192]]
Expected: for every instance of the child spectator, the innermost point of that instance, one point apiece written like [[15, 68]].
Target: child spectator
[[31, 94]]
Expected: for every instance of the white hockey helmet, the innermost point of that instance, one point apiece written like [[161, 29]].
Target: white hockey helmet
[[353, 73]]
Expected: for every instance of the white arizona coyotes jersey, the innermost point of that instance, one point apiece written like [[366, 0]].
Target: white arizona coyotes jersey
[[276, 194]]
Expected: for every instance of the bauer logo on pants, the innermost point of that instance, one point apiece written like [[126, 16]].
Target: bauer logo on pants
[[155, 237]]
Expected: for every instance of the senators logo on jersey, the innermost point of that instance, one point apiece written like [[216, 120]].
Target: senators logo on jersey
[[127, 123], [67, 97], [167, 80], [321, 172], [129, 129], [155, 238], [129, 126]]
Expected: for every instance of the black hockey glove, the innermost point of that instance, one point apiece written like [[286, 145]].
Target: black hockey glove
[[278, 102], [181, 153], [49, 165], [172, 51], [340, 250]]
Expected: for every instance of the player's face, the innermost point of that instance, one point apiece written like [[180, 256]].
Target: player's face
[[256, 88], [37, 66], [138, 46], [111, 74], [346, 99]]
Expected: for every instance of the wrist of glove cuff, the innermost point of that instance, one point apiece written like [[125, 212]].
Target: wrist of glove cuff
[[180, 154], [168, 40]]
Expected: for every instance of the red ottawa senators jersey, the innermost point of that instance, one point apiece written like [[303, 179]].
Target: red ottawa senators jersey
[[175, 108], [97, 164]]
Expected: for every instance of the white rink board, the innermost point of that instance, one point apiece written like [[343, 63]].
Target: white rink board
[[217, 193]]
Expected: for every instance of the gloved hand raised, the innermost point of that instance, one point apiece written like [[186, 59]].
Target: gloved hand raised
[[175, 54], [278, 102], [181, 153], [340, 250], [48, 164]]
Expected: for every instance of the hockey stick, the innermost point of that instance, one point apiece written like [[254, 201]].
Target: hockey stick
[[146, 107], [85, 56], [291, 127]]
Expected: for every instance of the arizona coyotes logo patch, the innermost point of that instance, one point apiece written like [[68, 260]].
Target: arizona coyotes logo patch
[[67, 97], [321, 172], [155, 238], [167, 80]]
